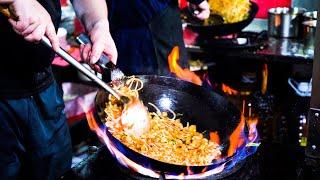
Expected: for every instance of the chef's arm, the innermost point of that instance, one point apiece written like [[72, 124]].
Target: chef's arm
[[91, 12], [94, 16], [6, 1]]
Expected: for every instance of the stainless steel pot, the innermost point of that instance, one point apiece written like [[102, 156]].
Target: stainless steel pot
[[285, 22], [309, 33]]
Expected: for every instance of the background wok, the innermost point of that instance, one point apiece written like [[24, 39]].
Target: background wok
[[224, 29]]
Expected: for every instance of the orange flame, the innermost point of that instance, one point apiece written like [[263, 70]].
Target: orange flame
[[184, 74], [264, 84], [214, 137], [252, 124], [236, 138], [228, 90], [91, 121]]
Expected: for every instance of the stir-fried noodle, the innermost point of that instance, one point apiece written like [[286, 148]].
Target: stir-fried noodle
[[232, 11]]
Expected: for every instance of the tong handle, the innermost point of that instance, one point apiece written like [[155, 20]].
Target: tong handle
[[67, 57], [104, 62]]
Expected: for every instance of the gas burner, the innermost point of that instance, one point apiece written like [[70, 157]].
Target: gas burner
[[247, 40], [223, 175], [102, 165]]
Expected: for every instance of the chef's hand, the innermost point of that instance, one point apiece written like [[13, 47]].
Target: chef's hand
[[34, 22], [102, 42], [204, 10], [6, 1]]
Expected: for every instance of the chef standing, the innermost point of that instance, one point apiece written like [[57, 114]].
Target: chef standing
[[145, 32], [34, 137]]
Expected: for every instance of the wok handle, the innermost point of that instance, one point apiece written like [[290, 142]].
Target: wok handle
[[67, 57], [104, 62]]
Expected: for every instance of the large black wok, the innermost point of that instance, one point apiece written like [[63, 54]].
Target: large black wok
[[203, 108]]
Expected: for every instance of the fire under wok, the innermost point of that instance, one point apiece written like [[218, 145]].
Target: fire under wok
[[206, 109]]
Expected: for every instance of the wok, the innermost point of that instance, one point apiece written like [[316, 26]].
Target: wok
[[203, 108], [224, 29]]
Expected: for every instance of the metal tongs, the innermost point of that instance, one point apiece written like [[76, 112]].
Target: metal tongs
[[67, 57], [104, 62]]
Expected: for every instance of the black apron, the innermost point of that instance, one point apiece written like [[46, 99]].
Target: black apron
[[167, 33], [145, 32]]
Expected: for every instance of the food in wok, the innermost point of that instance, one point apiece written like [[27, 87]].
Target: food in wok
[[158, 135], [231, 11]]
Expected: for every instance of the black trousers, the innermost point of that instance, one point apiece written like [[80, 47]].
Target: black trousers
[[34, 137]]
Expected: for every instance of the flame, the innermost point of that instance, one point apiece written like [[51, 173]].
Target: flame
[[214, 136], [237, 137], [264, 84], [184, 74], [91, 120], [252, 126], [228, 90]]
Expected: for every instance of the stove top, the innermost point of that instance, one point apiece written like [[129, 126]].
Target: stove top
[[101, 165], [243, 40], [271, 161]]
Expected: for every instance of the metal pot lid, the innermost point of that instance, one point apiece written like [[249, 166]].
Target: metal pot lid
[[311, 14]]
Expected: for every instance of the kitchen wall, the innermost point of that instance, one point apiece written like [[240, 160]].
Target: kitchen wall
[[264, 5], [308, 4]]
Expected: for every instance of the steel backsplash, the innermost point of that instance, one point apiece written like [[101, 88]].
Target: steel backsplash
[[313, 145]]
